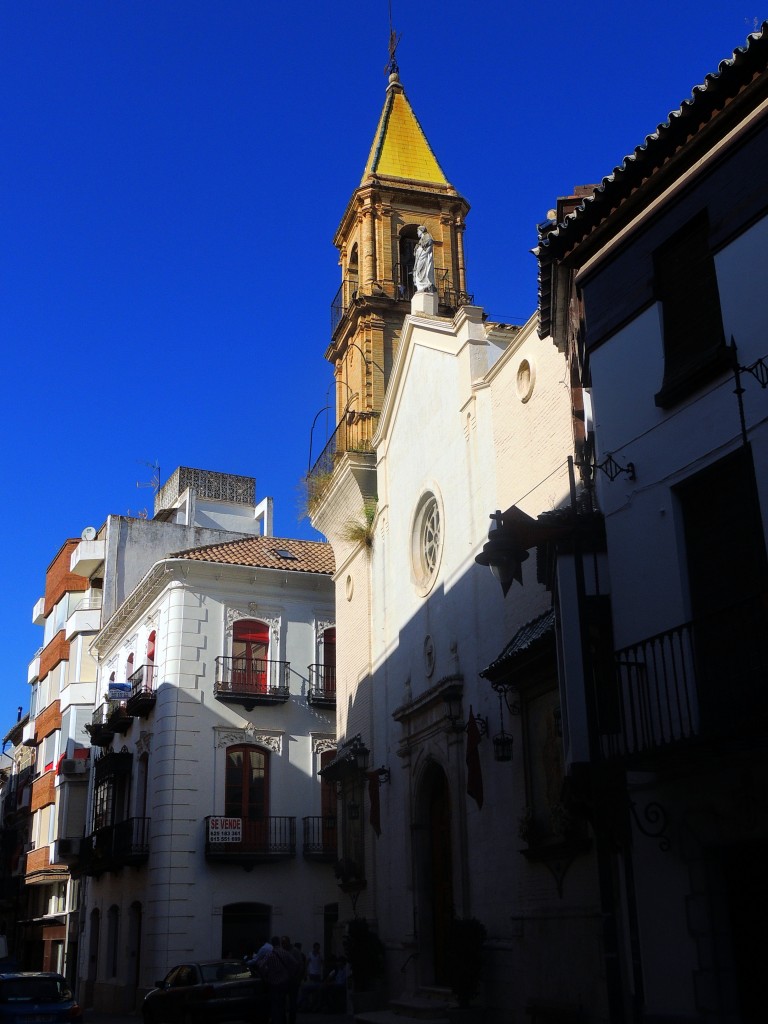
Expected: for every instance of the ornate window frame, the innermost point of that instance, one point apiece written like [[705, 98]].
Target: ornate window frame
[[427, 539]]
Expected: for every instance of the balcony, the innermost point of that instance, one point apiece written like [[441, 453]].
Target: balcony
[[143, 697], [353, 433], [247, 842], [33, 672], [109, 718], [320, 839], [112, 847], [87, 557], [399, 289], [322, 686], [28, 734], [84, 618], [251, 681], [38, 612], [703, 681]]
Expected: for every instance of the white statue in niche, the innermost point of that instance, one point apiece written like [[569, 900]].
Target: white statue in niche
[[424, 262]]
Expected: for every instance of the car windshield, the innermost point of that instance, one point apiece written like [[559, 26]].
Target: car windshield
[[224, 972], [33, 990]]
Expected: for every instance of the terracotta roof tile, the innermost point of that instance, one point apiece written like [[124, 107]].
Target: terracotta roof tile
[[527, 638], [267, 553], [746, 70]]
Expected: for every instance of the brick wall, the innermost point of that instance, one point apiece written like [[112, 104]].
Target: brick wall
[[59, 580], [43, 791], [54, 652], [37, 860], [48, 720]]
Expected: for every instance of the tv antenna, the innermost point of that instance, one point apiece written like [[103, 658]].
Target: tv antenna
[[154, 483]]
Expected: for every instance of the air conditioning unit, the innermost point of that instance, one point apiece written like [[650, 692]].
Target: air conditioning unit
[[73, 766]]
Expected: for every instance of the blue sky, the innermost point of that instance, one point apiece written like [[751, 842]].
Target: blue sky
[[171, 176]]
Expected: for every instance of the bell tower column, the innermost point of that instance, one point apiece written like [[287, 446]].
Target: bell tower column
[[461, 275], [369, 247]]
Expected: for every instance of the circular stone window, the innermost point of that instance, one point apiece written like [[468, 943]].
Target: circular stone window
[[526, 378], [426, 542]]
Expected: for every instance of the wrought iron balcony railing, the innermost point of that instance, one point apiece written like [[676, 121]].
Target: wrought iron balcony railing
[[342, 300], [143, 696], [244, 680], [249, 840], [123, 844], [399, 288], [320, 838], [352, 434], [109, 718], [704, 679], [322, 684]]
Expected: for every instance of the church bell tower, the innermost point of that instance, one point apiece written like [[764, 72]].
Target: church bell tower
[[403, 188]]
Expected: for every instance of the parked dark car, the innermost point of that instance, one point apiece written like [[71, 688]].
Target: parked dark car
[[36, 996], [204, 991]]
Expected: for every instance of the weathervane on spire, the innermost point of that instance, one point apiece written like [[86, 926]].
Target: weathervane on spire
[[394, 39]]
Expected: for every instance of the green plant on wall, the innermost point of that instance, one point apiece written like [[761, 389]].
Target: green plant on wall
[[313, 488], [361, 529]]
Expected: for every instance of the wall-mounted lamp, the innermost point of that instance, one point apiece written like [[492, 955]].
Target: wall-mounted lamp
[[452, 697], [383, 775], [360, 754], [504, 553], [502, 746], [502, 741]]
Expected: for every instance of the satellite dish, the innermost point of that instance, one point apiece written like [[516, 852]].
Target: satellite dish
[[89, 533]]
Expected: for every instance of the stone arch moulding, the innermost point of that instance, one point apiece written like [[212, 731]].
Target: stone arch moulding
[[321, 744], [255, 611], [226, 736], [320, 627]]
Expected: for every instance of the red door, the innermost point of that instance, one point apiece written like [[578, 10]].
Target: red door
[[250, 646]]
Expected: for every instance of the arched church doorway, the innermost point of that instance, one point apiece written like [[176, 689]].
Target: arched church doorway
[[435, 874]]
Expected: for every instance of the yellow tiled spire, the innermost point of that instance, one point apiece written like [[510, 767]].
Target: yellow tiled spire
[[400, 148]]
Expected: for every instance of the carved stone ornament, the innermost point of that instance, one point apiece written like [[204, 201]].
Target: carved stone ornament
[[321, 744], [320, 627], [253, 612], [144, 743], [228, 737]]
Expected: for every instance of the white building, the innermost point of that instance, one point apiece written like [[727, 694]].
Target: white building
[[209, 824], [666, 262]]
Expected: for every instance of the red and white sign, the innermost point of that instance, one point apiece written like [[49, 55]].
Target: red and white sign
[[225, 830]]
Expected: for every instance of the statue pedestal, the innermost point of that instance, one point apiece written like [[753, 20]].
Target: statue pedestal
[[424, 302]]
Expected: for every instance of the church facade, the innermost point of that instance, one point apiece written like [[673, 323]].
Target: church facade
[[441, 416]]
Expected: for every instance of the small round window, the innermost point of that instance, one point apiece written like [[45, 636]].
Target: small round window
[[526, 378], [426, 542]]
